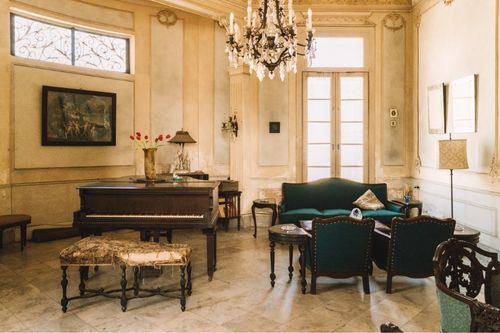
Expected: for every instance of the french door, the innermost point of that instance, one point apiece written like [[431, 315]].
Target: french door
[[335, 125]]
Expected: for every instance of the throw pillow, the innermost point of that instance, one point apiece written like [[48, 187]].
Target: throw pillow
[[369, 201]]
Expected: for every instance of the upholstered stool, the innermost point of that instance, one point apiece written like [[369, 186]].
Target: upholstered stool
[[102, 251], [11, 221]]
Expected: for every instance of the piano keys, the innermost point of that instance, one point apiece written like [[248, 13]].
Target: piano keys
[[191, 204]]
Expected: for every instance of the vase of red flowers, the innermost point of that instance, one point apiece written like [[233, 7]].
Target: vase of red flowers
[[149, 147]]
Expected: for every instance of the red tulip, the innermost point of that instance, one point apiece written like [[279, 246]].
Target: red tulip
[[138, 134], [132, 137], [138, 138], [160, 137], [167, 137]]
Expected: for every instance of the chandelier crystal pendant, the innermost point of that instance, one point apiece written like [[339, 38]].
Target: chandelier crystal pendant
[[269, 40]]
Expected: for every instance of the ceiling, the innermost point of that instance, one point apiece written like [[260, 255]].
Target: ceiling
[[218, 8]]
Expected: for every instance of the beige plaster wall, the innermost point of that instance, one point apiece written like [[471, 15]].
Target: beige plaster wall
[[27, 101], [453, 41], [171, 86]]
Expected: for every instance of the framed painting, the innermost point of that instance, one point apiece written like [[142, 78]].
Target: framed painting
[[435, 108], [464, 106], [74, 117]]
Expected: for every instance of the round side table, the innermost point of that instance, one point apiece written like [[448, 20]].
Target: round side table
[[262, 204], [466, 234], [289, 234]]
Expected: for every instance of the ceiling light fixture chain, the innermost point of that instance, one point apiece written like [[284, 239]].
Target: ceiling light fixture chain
[[269, 40]]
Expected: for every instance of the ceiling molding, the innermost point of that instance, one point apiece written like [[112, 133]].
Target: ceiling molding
[[212, 8]]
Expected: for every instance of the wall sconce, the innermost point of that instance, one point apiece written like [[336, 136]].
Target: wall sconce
[[231, 125]]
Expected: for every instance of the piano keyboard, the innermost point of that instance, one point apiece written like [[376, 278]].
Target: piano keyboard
[[148, 216]]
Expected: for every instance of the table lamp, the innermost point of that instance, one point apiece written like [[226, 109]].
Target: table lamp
[[182, 162], [452, 155]]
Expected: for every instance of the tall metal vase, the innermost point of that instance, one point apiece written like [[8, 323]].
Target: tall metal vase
[[149, 163]]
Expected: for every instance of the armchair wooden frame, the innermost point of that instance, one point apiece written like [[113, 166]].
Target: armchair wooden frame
[[455, 276]]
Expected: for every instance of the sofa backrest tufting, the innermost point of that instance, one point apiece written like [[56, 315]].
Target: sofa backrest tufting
[[328, 193]]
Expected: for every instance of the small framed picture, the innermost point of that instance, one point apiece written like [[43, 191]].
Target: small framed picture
[[274, 127]]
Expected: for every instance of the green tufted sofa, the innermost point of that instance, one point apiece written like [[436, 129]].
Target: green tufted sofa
[[331, 197]]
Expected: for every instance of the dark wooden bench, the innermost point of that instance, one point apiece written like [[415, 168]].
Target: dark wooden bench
[[11, 221]]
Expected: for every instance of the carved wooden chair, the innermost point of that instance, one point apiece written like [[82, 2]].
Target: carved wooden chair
[[408, 246], [341, 248], [461, 271]]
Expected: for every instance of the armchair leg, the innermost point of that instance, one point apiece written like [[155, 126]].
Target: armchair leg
[[389, 283], [313, 283], [366, 283]]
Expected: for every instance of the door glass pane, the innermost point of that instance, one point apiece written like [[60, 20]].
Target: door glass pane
[[318, 155], [339, 52], [318, 110], [318, 87], [317, 173], [351, 155], [318, 132], [352, 87], [351, 110], [353, 173], [351, 133]]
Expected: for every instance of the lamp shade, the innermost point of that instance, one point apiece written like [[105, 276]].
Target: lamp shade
[[182, 137], [453, 154]]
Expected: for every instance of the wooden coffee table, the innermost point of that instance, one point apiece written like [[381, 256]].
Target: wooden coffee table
[[297, 236], [461, 232], [466, 234]]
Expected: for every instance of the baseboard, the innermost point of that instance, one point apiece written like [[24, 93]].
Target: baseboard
[[44, 235]]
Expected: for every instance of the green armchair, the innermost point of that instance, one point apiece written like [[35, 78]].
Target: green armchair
[[408, 246], [461, 270], [341, 249]]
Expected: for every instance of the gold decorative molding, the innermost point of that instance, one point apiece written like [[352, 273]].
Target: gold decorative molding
[[319, 20], [166, 17], [447, 2], [222, 22], [494, 169], [394, 22], [354, 2], [418, 20]]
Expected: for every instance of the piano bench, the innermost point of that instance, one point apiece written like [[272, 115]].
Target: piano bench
[[103, 251]]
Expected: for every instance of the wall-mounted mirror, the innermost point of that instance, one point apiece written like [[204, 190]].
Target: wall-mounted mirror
[[435, 109], [463, 104]]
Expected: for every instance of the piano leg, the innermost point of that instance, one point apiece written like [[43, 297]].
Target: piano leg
[[211, 251]]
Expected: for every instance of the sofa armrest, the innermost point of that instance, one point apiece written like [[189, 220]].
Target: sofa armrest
[[395, 206], [281, 207]]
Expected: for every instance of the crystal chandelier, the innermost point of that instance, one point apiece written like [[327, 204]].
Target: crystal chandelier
[[269, 40]]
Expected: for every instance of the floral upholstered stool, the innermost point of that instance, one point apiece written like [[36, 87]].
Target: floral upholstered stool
[[103, 251]]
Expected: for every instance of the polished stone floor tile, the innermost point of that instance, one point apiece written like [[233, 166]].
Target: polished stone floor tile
[[238, 299]]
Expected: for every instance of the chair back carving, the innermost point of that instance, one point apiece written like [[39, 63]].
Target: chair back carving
[[461, 270]]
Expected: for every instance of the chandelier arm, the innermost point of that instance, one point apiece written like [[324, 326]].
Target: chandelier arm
[[272, 65]]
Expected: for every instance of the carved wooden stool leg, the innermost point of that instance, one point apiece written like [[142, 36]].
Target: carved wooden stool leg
[[83, 273], [124, 288], [189, 285], [183, 288], [64, 285], [136, 281]]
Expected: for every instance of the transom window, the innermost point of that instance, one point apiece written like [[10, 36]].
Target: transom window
[[339, 52], [38, 40]]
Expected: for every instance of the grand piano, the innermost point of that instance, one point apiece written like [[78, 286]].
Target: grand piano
[[151, 207]]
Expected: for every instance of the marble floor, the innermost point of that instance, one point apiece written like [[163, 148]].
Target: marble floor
[[239, 298]]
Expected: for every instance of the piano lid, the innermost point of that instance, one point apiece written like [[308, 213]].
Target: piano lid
[[199, 184]]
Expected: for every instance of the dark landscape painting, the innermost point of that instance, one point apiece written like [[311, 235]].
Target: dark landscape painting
[[73, 117]]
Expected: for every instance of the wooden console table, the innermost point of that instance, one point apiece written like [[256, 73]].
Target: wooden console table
[[232, 207]]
